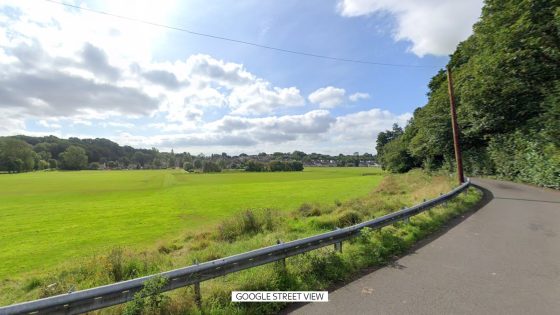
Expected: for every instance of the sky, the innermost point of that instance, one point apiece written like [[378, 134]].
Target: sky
[[75, 73]]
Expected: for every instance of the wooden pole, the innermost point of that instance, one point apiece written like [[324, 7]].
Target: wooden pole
[[456, 145]]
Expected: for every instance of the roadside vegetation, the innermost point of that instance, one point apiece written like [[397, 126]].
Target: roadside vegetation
[[255, 228], [507, 86], [22, 153], [48, 218]]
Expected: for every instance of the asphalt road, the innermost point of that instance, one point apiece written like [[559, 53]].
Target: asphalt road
[[502, 259]]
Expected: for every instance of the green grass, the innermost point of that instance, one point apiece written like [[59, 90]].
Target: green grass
[[48, 218]]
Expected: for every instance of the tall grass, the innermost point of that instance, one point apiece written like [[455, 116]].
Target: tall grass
[[255, 228]]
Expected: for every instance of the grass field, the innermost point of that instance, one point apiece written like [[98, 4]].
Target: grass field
[[47, 218]]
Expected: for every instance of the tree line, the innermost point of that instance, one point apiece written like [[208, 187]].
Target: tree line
[[507, 86], [25, 153]]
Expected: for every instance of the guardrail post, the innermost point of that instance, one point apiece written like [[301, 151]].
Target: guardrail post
[[445, 201], [407, 219], [197, 295], [283, 260], [338, 246]]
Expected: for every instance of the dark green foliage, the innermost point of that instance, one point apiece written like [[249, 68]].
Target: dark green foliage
[[387, 136], [149, 300], [255, 166], [53, 163], [274, 166], [188, 166], [94, 166], [16, 156], [507, 90], [395, 157], [211, 167], [74, 158]]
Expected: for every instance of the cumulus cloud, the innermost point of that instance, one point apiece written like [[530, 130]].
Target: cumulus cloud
[[164, 78], [365, 125], [224, 73], [316, 130], [432, 26], [96, 60], [52, 77], [260, 98], [46, 70], [327, 97], [358, 96]]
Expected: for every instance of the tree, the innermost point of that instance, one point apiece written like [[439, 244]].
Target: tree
[[277, 166], [395, 157], [94, 166], [507, 87], [255, 166], [42, 165], [74, 158], [386, 136], [16, 156], [211, 167], [296, 166], [53, 164], [188, 166]]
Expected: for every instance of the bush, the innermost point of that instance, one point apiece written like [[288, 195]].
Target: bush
[[348, 217], [53, 163], [525, 158], [149, 300], [255, 166], [74, 158], [274, 166], [188, 166], [211, 167], [42, 165], [250, 222], [309, 210], [395, 156]]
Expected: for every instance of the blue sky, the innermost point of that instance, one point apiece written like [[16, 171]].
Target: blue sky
[[71, 72]]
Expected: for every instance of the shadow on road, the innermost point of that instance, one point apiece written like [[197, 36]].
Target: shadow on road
[[487, 196]]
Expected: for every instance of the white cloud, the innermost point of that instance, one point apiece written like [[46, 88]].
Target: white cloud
[[314, 131], [48, 124], [366, 124], [52, 67], [327, 97], [359, 96], [261, 98], [432, 26], [61, 68]]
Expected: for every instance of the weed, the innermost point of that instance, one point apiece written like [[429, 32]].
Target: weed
[[149, 300]]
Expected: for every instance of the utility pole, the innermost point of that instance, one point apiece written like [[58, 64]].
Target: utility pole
[[458, 157]]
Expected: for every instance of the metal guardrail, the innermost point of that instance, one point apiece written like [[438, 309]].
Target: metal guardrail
[[121, 292]]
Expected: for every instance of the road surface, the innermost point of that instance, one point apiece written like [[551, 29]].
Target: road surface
[[502, 259]]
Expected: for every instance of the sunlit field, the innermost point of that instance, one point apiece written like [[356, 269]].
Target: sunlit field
[[47, 218]]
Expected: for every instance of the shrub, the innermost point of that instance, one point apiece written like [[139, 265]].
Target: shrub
[[349, 217], [255, 166], [149, 300], [309, 210], [249, 222], [115, 264], [211, 167], [188, 166]]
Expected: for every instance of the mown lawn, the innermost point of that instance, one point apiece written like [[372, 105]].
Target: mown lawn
[[47, 218]]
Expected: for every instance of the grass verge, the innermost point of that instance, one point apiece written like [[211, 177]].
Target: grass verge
[[255, 228]]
